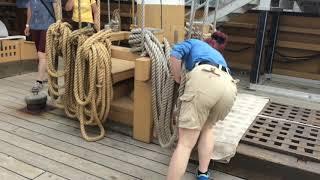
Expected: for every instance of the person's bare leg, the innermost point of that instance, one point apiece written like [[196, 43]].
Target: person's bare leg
[[179, 161], [42, 66], [205, 148]]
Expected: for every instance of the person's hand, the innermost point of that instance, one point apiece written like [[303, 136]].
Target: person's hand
[[27, 31], [176, 69]]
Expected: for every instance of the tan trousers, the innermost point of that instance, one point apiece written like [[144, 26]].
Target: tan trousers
[[208, 97]]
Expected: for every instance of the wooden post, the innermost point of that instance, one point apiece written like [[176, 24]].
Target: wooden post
[[142, 120]]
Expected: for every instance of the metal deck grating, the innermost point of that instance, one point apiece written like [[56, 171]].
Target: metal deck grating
[[287, 137], [292, 113]]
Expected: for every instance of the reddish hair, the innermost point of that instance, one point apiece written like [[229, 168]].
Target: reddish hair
[[218, 40]]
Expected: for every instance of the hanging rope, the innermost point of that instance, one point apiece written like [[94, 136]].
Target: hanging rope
[[87, 72], [93, 83], [56, 41], [97, 21], [76, 39], [58, 11], [56, 46], [133, 23], [163, 98]]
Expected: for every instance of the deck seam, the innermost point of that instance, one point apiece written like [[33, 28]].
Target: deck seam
[[42, 173], [13, 171]]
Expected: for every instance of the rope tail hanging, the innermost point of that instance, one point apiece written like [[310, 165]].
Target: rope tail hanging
[[93, 83], [76, 39], [56, 46], [86, 55], [163, 93]]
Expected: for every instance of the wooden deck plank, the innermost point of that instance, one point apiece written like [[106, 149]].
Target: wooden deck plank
[[15, 101], [6, 85], [89, 151], [111, 135], [136, 150], [152, 147], [122, 138], [62, 157], [51, 116], [49, 176], [6, 174], [137, 156], [154, 161], [19, 167], [158, 158], [15, 104], [18, 83], [43, 162]]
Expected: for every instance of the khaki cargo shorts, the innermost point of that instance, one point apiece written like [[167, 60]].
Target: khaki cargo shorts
[[208, 97]]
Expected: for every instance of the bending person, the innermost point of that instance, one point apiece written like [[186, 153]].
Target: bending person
[[209, 94]]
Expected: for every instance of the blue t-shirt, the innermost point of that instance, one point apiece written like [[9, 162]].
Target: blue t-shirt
[[40, 17], [193, 51], [22, 3]]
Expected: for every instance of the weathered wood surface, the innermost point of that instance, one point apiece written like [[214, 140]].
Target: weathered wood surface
[[49, 145]]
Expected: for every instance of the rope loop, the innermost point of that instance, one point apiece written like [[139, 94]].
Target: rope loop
[[93, 82]]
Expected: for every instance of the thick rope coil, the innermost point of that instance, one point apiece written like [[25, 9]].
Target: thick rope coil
[[163, 98], [93, 83], [196, 32], [56, 45], [136, 39], [75, 40], [84, 57]]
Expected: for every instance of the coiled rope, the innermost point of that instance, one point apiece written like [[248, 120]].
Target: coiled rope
[[93, 83], [75, 40], [163, 93], [56, 45], [87, 91]]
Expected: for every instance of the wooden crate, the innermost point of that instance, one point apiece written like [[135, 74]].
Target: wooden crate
[[9, 50], [28, 50], [16, 50]]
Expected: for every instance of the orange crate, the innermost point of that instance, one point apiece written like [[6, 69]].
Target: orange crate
[[9, 50]]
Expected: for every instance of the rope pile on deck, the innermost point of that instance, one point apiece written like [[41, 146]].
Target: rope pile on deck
[[87, 90]]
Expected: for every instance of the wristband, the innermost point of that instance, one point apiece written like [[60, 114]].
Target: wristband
[[27, 25]]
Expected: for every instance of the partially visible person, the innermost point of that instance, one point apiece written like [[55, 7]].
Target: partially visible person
[[88, 12], [40, 16], [22, 7]]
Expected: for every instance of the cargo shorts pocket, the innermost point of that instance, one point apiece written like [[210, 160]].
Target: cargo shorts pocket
[[188, 112]]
